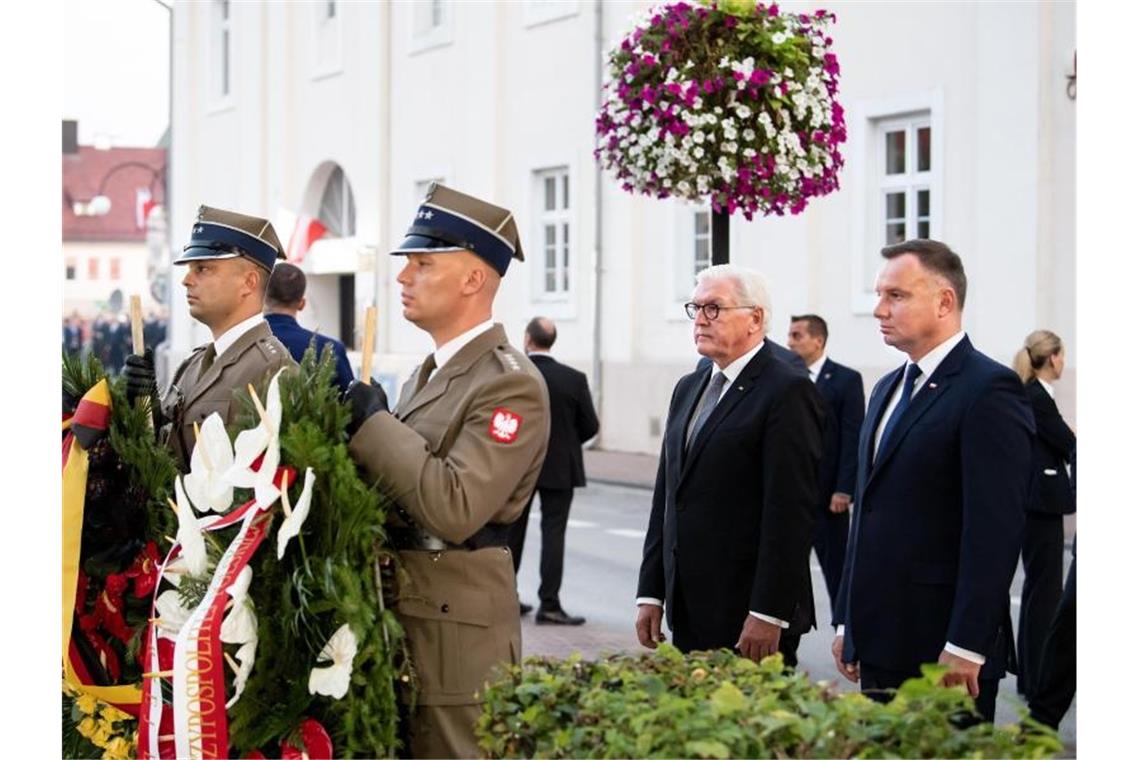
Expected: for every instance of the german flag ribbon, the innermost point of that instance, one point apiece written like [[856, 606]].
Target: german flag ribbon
[[89, 423]]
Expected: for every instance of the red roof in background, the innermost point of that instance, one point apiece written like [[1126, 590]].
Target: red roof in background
[[85, 171]]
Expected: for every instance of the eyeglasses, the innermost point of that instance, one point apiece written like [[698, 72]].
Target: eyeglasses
[[711, 310]]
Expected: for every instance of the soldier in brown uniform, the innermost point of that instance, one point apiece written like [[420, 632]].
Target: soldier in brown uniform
[[461, 455], [228, 260]]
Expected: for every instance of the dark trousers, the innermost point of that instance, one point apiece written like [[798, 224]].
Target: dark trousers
[[874, 681], [1057, 681], [689, 636], [830, 542], [1042, 554], [555, 503]]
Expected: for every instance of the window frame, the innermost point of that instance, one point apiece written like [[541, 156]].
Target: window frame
[[565, 236], [93, 267], [870, 121], [683, 271], [115, 269], [221, 43], [70, 270], [435, 36], [335, 64], [540, 12]]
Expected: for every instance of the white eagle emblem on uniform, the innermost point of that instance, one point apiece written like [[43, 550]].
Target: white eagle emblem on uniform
[[505, 425]]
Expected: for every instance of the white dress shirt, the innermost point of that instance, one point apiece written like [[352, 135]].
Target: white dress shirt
[[230, 336], [731, 372], [1048, 389], [817, 367], [927, 365], [448, 350]]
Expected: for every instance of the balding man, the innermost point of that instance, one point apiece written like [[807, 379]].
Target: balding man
[[460, 456], [573, 421]]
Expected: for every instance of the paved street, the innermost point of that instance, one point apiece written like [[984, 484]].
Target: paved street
[[603, 552]]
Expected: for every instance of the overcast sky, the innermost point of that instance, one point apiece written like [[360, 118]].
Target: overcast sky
[[115, 62]]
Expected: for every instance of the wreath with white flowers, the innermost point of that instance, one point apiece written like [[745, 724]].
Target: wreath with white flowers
[[732, 101]]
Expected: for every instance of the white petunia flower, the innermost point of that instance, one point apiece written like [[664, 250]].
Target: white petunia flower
[[699, 152], [778, 38], [332, 681]]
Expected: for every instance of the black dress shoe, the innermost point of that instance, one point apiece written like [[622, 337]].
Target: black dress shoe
[[524, 608], [557, 617]]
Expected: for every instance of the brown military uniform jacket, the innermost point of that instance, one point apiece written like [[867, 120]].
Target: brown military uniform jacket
[[193, 396], [464, 451]]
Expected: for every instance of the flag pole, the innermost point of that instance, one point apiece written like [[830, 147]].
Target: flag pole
[[137, 326], [369, 340]]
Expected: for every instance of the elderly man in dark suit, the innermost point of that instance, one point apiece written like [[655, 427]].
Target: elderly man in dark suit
[[573, 421], [842, 390], [944, 473], [726, 550]]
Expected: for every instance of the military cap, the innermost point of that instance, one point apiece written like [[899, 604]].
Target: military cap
[[448, 220], [220, 234]]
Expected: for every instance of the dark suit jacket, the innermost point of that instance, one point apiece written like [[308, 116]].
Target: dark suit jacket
[[297, 338], [842, 390], [938, 518], [1052, 447], [573, 421], [732, 520]]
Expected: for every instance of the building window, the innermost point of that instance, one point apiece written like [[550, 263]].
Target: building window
[[115, 268], [92, 268], [327, 39], [222, 52], [338, 207], [69, 269], [553, 188], [537, 12], [904, 178], [692, 250], [431, 24]]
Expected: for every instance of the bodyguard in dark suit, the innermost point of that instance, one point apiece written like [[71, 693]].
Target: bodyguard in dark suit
[[842, 390], [573, 421], [284, 298], [726, 550], [944, 472], [1040, 363]]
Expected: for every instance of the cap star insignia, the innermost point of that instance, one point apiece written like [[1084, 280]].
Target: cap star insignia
[[424, 214]]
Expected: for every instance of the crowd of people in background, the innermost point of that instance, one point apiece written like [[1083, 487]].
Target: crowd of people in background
[[108, 336]]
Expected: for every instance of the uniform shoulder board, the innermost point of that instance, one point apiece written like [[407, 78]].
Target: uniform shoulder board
[[269, 347], [508, 359]]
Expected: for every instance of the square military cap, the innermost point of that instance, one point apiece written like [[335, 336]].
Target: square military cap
[[448, 220], [220, 234]]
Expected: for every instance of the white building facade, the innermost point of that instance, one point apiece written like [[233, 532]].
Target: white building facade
[[960, 126]]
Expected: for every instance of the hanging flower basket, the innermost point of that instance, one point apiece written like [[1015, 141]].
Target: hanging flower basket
[[732, 101]]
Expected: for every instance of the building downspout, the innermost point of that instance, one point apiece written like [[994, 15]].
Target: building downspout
[[596, 368]]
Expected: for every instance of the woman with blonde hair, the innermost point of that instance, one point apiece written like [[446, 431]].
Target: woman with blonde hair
[[1040, 363]]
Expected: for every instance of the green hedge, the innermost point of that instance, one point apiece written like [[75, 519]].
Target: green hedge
[[717, 704]]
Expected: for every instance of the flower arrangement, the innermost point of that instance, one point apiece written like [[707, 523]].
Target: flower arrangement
[[730, 100], [305, 652], [97, 725]]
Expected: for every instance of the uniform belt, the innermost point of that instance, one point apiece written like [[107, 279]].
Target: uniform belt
[[415, 538]]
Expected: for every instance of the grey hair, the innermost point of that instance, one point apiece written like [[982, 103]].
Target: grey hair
[[751, 287]]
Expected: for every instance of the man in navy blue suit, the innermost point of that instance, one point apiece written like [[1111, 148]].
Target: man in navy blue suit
[[284, 298], [945, 466], [842, 391]]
